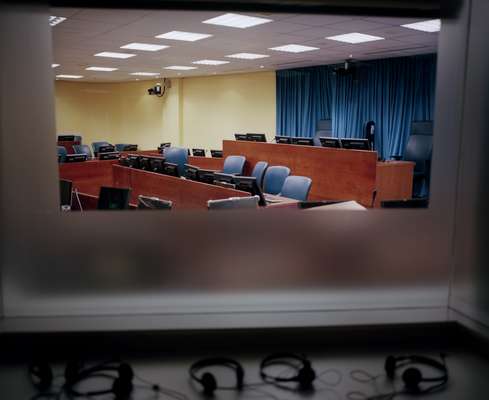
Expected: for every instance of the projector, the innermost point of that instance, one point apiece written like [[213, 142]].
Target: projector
[[160, 89]]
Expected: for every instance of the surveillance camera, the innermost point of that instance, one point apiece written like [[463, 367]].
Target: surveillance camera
[[150, 91]]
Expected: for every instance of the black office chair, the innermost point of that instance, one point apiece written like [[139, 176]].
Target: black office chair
[[419, 149]]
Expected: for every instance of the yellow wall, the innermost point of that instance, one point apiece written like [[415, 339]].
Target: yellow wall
[[196, 112]]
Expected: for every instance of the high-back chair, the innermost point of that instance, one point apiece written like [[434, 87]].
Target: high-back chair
[[296, 187], [234, 165], [274, 179], [83, 149], [418, 150], [177, 155], [97, 145], [259, 172]]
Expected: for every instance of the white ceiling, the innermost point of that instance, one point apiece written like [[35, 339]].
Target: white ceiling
[[90, 31]]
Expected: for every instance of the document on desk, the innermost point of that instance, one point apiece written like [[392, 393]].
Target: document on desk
[[345, 205]]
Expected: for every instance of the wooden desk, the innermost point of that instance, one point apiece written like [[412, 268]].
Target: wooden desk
[[394, 181], [68, 145], [214, 164], [337, 174], [88, 176], [184, 193]]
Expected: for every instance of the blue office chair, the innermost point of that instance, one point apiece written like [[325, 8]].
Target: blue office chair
[[234, 165], [274, 179], [177, 155], [96, 145], [61, 153], [83, 149], [296, 187], [120, 146], [259, 172]]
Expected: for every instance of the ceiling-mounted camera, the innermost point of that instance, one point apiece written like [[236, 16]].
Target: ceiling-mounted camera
[[160, 88]]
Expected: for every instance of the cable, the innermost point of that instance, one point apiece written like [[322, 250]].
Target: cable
[[78, 198]]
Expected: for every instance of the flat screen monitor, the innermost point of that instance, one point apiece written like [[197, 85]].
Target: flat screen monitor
[[65, 192], [133, 160], [330, 142], [302, 141], [355, 144], [241, 136], [205, 176], [157, 164], [198, 152], [191, 172], [162, 146], [145, 163], [283, 139], [171, 169], [256, 137], [226, 178], [113, 155], [153, 203], [130, 147], [124, 161], [216, 153], [106, 149], [111, 198], [249, 184], [75, 158], [66, 138]]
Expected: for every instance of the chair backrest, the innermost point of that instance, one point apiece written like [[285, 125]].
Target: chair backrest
[[177, 155], [120, 146], [275, 178], [259, 172], [324, 125], [96, 145], [234, 165], [419, 149], [82, 149], [233, 203], [421, 128], [62, 153], [296, 187]]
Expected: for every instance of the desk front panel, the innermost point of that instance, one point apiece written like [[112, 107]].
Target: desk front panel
[[88, 176]]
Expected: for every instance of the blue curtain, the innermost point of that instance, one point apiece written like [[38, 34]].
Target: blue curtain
[[391, 92]]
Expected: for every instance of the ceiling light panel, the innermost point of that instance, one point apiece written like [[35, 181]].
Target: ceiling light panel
[[101, 69], [144, 47], [180, 68], [54, 20], [145, 73], [294, 48], [355, 38], [237, 21], [110, 54], [210, 62], [69, 76], [247, 56], [185, 36], [433, 25]]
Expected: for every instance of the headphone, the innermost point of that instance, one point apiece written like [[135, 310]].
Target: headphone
[[412, 377], [121, 386], [208, 381], [41, 375], [305, 375]]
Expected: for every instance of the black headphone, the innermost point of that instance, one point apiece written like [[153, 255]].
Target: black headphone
[[305, 373], [412, 377], [41, 375], [208, 381], [121, 386]]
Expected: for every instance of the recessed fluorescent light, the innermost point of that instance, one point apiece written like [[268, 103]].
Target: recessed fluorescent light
[[247, 56], [111, 54], [180, 68], [145, 73], [102, 69], [294, 48], [237, 21], [185, 36], [69, 76], [355, 38], [54, 20], [144, 46], [54, 65], [433, 25], [210, 62]]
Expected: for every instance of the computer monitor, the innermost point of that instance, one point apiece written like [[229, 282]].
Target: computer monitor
[[216, 153], [205, 176], [153, 203], [220, 177], [106, 149], [113, 155], [198, 152], [66, 138], [249, 184], [130, 147], [133, 160], [191, 172], [111, 198], [75, 158], [65, 192], [157, 164], [256, 137], [145, 163], [162, 146], [241, 136], [330, 142], [283, 139], [355, 144], [171, 169], [302, 141]]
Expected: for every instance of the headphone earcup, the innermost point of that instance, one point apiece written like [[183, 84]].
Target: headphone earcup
[[209, 383], [41, 375], [306, 376], [72, 371], [390, 367], [412, 377], [239, 378], [125, 372], [122, 388]]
